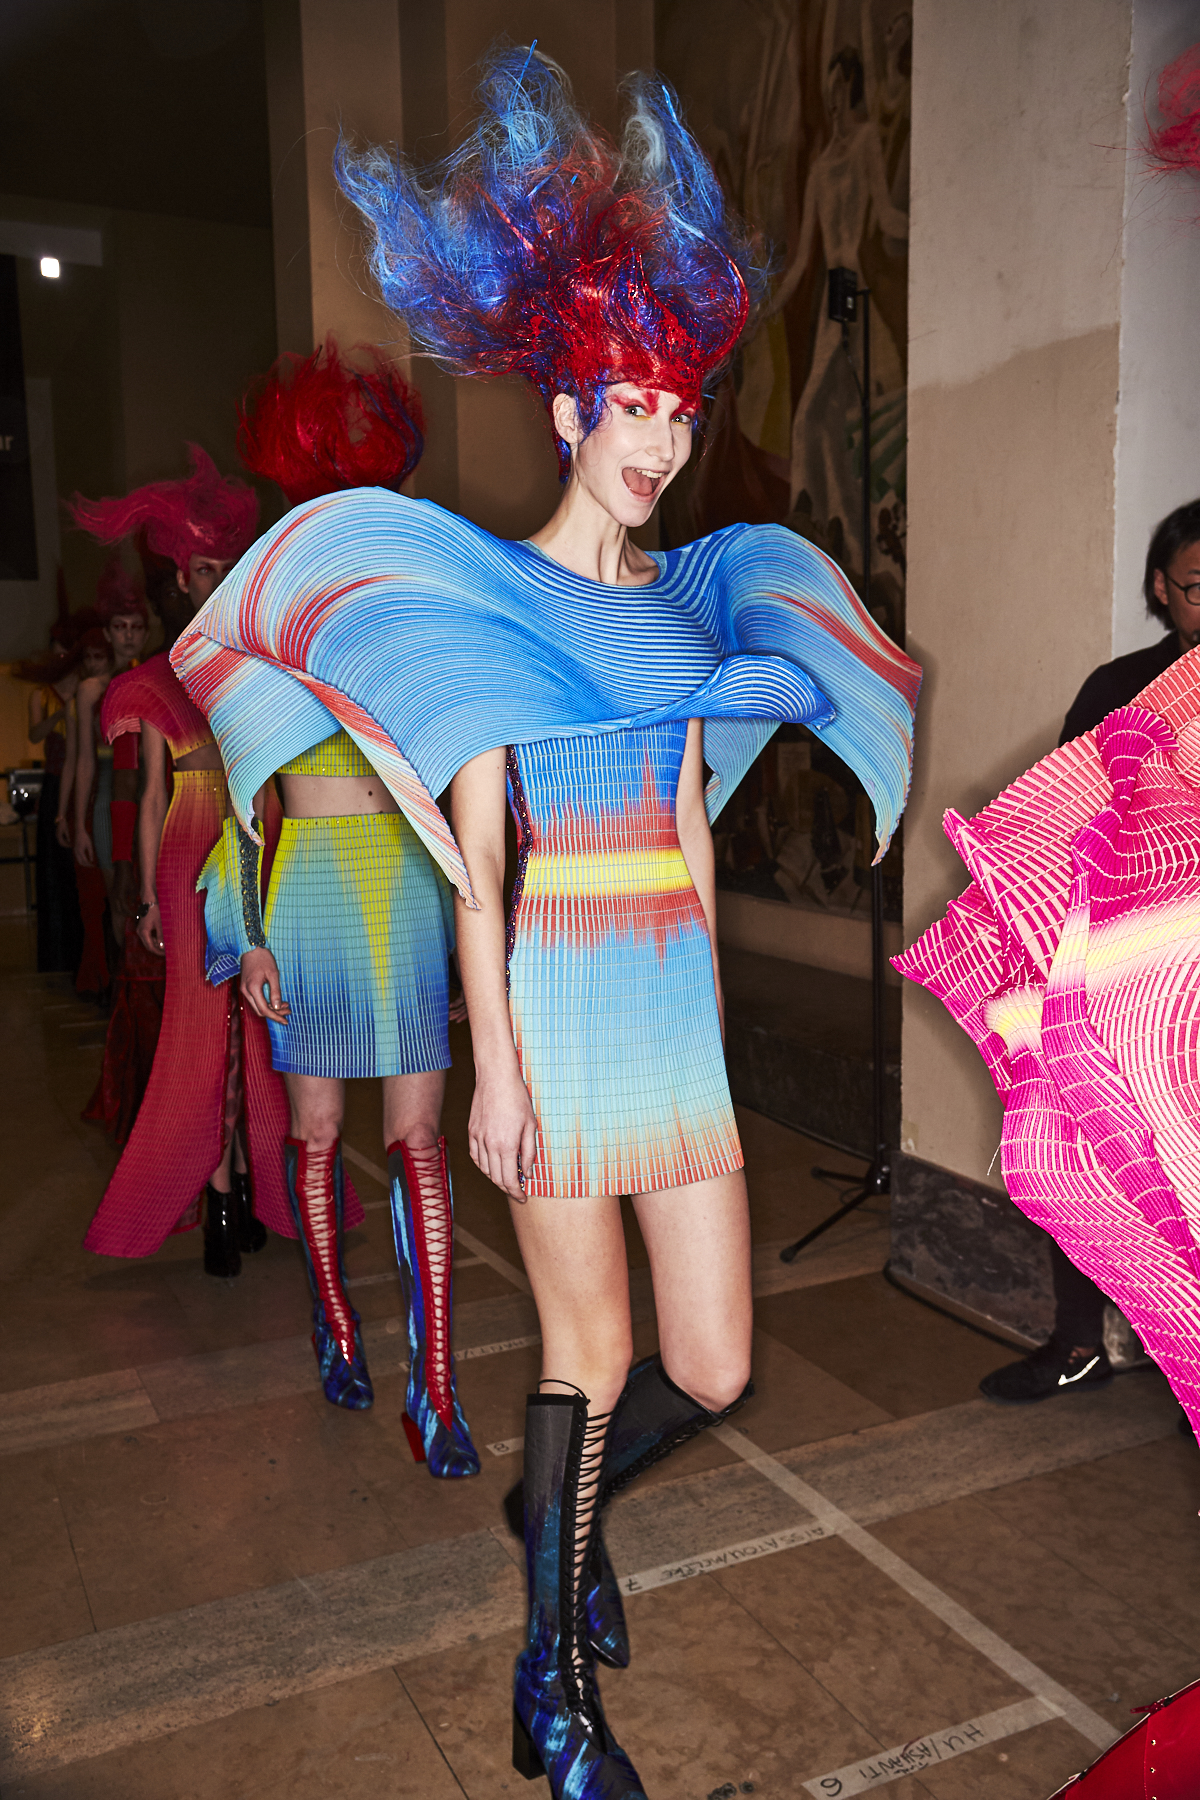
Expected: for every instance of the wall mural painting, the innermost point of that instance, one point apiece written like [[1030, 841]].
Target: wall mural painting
[[804, 108]]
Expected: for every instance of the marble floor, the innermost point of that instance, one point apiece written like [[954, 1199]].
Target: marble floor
[[215, 1586]]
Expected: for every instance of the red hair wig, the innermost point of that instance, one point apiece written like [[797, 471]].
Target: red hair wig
[[204, 514], [314, 425]]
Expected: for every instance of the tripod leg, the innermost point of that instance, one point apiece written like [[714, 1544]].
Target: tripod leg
[[793, 1250]]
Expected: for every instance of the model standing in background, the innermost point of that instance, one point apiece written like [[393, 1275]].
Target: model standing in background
[[124, 622], [349, 966]]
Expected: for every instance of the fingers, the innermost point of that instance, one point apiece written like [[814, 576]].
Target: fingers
[[260, 997], [528, 1151], [508, 1164], [253, 1000]]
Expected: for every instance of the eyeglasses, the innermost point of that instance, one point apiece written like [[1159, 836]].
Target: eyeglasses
[[1190, 591]]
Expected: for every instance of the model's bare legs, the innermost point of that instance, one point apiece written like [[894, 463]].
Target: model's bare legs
[[317, 1103], [574, 1255], [412, 1108], [699, 1243]]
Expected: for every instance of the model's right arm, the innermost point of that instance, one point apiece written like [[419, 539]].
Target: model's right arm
[[152, 810], [502, 1132], [85, 771]]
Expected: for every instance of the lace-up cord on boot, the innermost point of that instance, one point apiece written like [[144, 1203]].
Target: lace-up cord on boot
[[579, 1544], [434, 1228], [318, 1221]]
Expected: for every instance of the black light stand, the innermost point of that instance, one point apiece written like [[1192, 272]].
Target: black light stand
[[844, 295]]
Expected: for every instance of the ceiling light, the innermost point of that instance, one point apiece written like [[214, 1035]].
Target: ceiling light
[[50, 267]]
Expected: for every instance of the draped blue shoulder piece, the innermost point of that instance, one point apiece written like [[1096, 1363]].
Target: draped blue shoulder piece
[[431, 641]]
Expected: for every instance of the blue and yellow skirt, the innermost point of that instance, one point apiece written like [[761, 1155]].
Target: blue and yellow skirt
[[361, 924]]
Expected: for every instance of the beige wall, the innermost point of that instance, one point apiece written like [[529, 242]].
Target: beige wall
[[195, 323], [1018, 175], [392, 71]]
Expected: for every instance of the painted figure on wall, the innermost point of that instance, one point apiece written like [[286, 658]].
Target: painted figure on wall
[[805, 112]]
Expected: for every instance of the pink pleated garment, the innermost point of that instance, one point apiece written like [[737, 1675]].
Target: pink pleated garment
[[179, 1133], [1073, 961]]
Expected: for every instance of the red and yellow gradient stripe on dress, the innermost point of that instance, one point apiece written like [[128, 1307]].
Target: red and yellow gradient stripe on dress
[[610, 971]]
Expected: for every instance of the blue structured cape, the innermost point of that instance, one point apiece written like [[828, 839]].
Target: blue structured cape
[[432, 641]]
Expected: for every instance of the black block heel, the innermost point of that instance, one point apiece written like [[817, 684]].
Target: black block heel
[[222, 1257], [526, 1760]]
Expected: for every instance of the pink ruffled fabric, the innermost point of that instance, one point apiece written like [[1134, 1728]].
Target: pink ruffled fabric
[[1073, 962]]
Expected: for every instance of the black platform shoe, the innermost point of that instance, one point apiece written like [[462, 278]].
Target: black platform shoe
[[222, 1255], [251, 1232]]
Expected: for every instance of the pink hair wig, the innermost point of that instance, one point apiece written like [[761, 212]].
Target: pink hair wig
[[204, 514], [1175, 144]]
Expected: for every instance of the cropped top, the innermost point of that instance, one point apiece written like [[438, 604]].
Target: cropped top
[[337, 754]]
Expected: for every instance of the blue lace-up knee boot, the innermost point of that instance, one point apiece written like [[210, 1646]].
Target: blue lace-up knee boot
[[651, 1418], [559, 1728], [423, 1224], [315, 1194]]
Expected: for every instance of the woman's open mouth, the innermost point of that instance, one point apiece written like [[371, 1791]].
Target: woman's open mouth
[[643, 483]]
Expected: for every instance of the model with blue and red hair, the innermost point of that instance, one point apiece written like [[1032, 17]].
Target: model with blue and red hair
[[347, 964], [588, 682]]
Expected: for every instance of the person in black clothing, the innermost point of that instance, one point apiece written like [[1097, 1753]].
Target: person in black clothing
[[1074, 1357]]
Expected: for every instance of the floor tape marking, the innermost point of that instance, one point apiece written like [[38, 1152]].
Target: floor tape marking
[[517, 1343], [507, 1446], [368, 1167], [989, 1643], [727, 1558], [884, 1766], [493, 1259]]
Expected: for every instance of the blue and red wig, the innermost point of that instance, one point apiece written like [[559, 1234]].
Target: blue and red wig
[[315, 424], [541, 249]]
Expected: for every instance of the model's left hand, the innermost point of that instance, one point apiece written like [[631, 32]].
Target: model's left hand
[[261, 972], [502, 1130]]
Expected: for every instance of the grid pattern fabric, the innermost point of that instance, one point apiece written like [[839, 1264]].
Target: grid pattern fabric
[[611, 986], [178, 1135], [431, 641], [1074, 963], [335, 755], [359, 922]]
